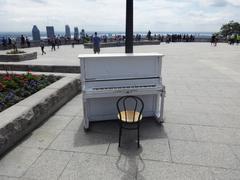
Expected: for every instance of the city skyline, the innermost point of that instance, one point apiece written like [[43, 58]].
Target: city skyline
[[108, 15]]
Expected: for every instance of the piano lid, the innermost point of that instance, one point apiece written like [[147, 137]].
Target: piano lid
[[120, 66], [120, 55]]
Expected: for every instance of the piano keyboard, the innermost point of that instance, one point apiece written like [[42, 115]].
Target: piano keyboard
[[123, 87]]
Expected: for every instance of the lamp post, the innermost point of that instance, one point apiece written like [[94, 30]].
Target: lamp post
[[129, 27]]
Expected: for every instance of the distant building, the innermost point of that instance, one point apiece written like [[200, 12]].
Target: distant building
[[50, 32], [67, 31], [36, 33], [76, 33]]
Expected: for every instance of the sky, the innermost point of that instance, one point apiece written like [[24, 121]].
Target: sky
[[109, 15]]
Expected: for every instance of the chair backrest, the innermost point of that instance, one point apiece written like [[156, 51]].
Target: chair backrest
[[130, 103]]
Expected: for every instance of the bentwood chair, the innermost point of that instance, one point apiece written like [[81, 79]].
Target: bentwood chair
[[130, 110]]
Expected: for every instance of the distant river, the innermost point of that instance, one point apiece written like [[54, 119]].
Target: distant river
[[109, 34]]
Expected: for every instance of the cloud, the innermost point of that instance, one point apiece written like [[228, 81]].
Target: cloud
[[109, 15], [214, 3], [219, 3], [39, 1], [234, 2]]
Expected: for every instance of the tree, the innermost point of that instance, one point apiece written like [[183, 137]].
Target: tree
[[230, 28]]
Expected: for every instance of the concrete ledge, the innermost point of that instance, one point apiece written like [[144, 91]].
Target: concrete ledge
[[18, 57], [25, 116], [40, 68], [117, 44]]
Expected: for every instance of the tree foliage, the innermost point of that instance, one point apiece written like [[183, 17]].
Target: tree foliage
[[230, 28]]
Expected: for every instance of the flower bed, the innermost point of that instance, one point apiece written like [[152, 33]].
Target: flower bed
[[15, 52], [15, 87], [23, 56]]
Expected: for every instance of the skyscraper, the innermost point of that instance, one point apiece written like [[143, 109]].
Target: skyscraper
[[67, 31], [50, 32], [76, 33], [36, 33]]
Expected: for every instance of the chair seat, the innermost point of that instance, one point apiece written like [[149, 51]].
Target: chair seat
[[129, 116]]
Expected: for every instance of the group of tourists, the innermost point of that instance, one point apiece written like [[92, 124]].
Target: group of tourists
[[25, 42], [53, 42], [8, 43], [96, 40], [11, 42]]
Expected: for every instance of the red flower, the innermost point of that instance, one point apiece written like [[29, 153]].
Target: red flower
[[2, 87], [19, 76], [7, 78]]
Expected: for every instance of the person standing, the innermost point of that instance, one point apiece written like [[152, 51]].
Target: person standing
[[213, 40], [42, 47], [149, 36], [238, 39], [28, 42], [53, 43], [96, 44], [4, 42], [22, 41], [9, 41]]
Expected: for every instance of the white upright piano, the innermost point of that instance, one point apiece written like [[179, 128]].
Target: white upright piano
[[106, 77]]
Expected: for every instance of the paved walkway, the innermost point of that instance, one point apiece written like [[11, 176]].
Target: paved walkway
[[199, 140]]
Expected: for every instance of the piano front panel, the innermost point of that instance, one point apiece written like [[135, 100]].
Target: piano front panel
[[105, 108], [120, 67]]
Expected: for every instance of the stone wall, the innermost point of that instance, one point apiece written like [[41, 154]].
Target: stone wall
[[18, 57], [20, 119], [122, 43], [40, 68]]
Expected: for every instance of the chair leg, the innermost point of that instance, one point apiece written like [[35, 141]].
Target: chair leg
[[138, 137], [120, 134]]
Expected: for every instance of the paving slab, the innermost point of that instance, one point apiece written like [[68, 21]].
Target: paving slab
[[49, 165], [217, 135], [8, 178], [93, 167], [40, 138], [16, 162], [205, 154], [236, 150], [82, 142], [76, 124], [152, 149], [56, 123], [223, 174], [181, 132], [169, 171], [70, 110]]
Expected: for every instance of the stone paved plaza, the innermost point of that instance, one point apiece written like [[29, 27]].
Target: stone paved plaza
[[200, 139]]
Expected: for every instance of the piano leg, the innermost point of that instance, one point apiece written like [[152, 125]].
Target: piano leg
[[161, 120], [160, 106], [85, 109], [157, 106]]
